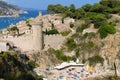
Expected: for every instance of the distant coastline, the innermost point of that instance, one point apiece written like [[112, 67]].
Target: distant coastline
[[20, 12], [7, 20], [5, 16]]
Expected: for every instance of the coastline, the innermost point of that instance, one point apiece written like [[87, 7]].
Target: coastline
[[5, 16], [20, 12]]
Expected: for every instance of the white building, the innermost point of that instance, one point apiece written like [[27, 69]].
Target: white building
[[66, 65]]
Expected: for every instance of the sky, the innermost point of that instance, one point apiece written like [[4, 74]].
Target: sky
[[42, 4]]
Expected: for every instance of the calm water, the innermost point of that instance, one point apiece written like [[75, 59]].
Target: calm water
[[6, 21]]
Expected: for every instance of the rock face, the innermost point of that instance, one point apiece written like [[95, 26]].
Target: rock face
[[111, 48]]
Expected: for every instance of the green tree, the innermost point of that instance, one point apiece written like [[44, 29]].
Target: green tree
[[56, 8], [53, 31], [110, 3], [80, 13], [98, 19], [68, 13], [97, 8], [50, 8], [72, 8], [14, 29], [87, 7], [106, 29]]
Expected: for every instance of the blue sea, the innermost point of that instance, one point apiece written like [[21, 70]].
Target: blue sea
[[6, 21]]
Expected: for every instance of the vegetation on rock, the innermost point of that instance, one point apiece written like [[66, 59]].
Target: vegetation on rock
[[13, 67], [95, 59]]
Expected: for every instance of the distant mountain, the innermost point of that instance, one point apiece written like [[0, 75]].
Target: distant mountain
[[6, 8]]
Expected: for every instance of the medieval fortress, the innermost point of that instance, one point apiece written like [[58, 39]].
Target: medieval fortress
[[33, 39]]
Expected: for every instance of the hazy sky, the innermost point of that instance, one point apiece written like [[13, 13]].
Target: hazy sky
[[42, 4]]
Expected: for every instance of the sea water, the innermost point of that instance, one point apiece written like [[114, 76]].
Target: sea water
[[7, 21]]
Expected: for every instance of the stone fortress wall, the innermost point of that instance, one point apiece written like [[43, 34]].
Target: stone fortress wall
[[53, 41], [36, 41], [24, 43], [27, 42]]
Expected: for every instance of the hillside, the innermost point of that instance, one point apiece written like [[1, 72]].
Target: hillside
[[96, 41], [6, 8]]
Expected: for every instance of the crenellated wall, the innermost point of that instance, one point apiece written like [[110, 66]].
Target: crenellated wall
[[53, 41], [24, 43]]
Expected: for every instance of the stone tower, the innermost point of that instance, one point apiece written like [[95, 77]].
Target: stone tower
[[40, 14], [37, 36]]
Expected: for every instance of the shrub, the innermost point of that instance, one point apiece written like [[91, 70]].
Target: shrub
[[5, 55], [90, 44], [31, 64], [59, 54], [71, 25], [106, 29], [110, 29], [14, 28], [81, 28], [66, 58], [98, 20], [87, 46], [77, 52], [89, 35], [95, 59], [103, 33], [65, 33], [71, 44], [29, 25]]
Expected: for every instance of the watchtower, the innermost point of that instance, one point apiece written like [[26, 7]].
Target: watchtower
[[37, 36]]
